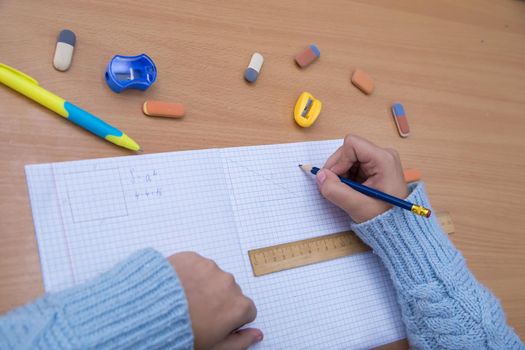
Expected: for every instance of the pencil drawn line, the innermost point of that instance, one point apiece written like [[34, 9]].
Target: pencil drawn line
[[264, 177], [75, 217], [64, 233]]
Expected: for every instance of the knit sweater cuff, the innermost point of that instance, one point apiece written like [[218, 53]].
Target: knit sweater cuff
[[139, 303], [413, 248]]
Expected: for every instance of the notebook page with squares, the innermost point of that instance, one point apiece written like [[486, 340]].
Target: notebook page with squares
[[220, 203]]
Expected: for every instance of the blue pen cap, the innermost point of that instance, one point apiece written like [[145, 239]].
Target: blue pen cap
[[130, 72]]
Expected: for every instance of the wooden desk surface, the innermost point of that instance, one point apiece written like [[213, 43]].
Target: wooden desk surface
[[458, 67]]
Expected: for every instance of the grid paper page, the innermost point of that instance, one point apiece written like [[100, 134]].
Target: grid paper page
[[275, 202], [105, 209], [91, 214]]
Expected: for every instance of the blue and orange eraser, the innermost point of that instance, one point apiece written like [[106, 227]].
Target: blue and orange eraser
[[307, 57], [252, 72], [401, 120]]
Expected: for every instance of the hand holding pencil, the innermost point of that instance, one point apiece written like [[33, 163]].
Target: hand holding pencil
[[363, 162]]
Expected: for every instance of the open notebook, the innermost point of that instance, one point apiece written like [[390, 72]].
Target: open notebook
[[221, 203]]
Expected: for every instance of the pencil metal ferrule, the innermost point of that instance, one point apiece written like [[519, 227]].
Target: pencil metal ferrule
[[420, 210]]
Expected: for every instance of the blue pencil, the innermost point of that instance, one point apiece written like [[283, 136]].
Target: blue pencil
[[414, 208]]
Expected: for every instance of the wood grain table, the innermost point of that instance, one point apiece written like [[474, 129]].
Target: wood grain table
[[457, 66]]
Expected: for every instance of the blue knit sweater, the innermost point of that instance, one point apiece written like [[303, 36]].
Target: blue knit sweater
[[140, 303], [443, 305]]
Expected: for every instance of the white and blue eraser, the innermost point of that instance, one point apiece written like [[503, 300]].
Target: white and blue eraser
[[252, 72], [64, 50]]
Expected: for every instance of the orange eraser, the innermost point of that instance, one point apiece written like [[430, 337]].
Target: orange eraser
[[163, 109], [412, 175], [363, 81]]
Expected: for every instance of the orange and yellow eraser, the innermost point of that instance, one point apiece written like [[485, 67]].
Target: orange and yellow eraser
[[362, 81], [153, 108]]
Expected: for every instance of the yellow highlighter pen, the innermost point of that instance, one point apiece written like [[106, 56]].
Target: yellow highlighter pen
[[29, 87]]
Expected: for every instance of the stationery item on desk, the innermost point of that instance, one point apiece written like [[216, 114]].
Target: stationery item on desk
[[29, 87], [362, 81], [64, 50], [91, 214], [306, 110], [252, 72], [308, 56], [153, 108], [309, 251], [371, 192], [130, 72], [401, 119], [412, 175]]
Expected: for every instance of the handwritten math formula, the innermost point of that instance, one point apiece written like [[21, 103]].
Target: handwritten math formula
[[145, 184]]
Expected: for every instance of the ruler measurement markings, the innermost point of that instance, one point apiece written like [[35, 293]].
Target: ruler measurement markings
[[313, 250]]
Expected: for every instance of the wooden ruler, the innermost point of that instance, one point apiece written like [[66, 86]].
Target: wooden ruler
[[313, 250]]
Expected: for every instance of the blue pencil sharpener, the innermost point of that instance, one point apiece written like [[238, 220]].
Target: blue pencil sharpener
[[130, 72]]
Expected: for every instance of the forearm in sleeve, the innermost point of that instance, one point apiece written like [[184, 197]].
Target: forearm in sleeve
[[139, 304], [443, 305]]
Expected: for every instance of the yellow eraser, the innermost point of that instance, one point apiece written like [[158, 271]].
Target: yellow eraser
[[163, 109]]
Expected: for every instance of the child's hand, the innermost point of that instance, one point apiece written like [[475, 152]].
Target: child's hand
[[364, 162], [217, 305]]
